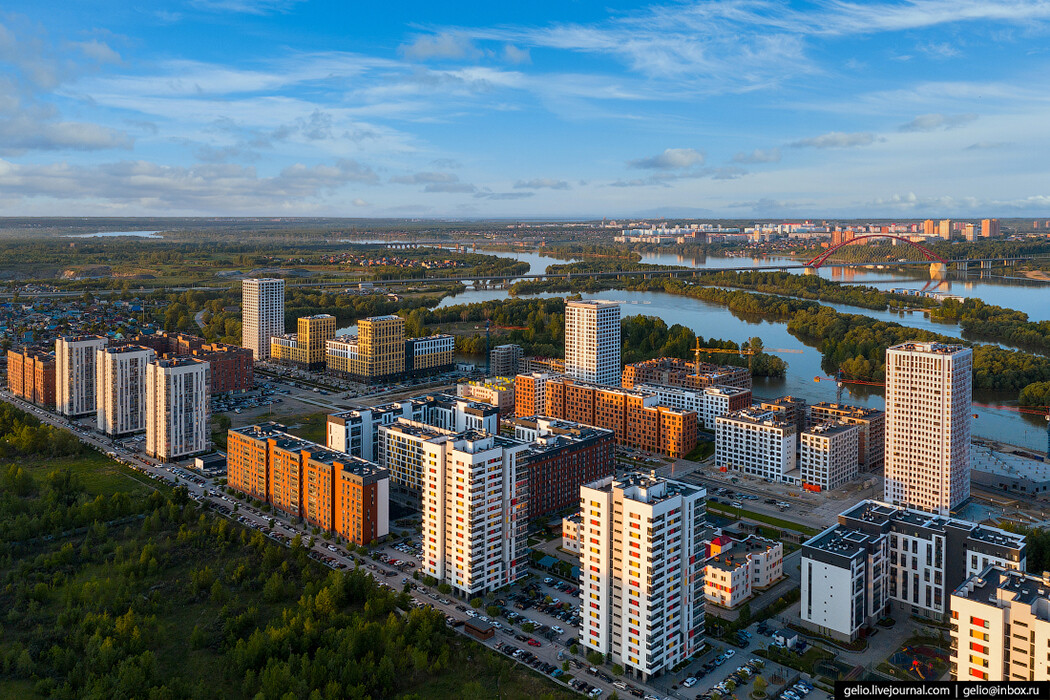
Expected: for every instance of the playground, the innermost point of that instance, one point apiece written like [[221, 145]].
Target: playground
[[918, 662]]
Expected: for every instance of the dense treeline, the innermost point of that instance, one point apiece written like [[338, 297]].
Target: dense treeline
[[646, 337], [815, 288], [1037, 394], [177, 603], [616, 265], [22, 435], [989, 322], [348, 308]]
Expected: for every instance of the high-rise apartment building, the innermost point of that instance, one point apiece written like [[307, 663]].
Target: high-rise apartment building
[[504, 359], [377, 351], [872, 422], [642, 545], [592, 341], [879, 555], [1001, 627], [828, 455], [231, 366], [929, 228], [990, 228], [944, 229], [178, 401], [474, 506], [928, 410], [306, 348], [335, 491], [262, 306], [31, 375], [430, 355], [121, 399], [75, 374]]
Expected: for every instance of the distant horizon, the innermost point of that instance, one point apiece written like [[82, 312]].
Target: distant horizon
[[716, 109]]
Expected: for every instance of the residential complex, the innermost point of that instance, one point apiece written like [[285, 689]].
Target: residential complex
[[872, 422], [262, 309], [121, 398], [75, 374], [828, 455], [31, 376], [789, 409], [334, 491], [496, 391], [1001, 627], [561, 457], [474, 509], [756, 442], [570, 533], [928, 407], [178, 407], [879, 555], [636, 417], [380, 351], [990, 228], [642, 541], [306, 348], [356, 432], [231, 366], [592, 341], [672, 371], [736, 570], [722, 400], [504, 359]]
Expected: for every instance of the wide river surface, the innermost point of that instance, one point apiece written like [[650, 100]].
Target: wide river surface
[[715, 321]]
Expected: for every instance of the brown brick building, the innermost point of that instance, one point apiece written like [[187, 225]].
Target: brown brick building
[[31, 376], [232, 367], [673, 371], [635, 417], [562, 456], [332, 490], [872, 422]]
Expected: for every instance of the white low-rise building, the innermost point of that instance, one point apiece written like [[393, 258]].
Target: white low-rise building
[[735, 570], [570, 534]]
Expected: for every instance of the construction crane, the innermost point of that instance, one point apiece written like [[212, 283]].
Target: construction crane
[[744, 350]]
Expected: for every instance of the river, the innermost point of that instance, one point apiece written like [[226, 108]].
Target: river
[[715, 321]]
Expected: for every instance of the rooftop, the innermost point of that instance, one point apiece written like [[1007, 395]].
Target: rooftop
[[929, 348], [841, 540], [846, 409], [651, 489], [830, 428], [998, 587]]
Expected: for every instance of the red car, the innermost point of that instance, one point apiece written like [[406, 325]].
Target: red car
[[533, 643]]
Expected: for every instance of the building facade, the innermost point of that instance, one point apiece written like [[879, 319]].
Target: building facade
[[496, 391], [990, 228], [756, 442], [635, 417], [504, 359], [232, 367], [121, 399], [928, 411], [1000, 627], [879, 555], [734, 571], [561, 457], [75, 374], [305, 349], [262, 306], [530, 393], [334, 491], [31, 376], [474, 512], [673, 371], [178, 407], [642, 541], [828, 455], [592, 341], [871, 448], [430, 355]]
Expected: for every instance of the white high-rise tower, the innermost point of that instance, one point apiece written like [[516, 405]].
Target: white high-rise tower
[[928, 408], [592, 341], [262, 304]]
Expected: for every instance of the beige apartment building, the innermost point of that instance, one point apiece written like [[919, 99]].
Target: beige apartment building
[[121, 398], [828, 455], [262, 307], [928, 411], [75, 374], [871, 449], [178, 399], [305, 349]]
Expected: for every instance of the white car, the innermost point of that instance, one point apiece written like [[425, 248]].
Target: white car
[[557, 629], [472, 613], [689, 682], [729, 653]]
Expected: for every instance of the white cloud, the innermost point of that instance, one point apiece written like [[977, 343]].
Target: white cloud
[[512, 54], [426, 47], [28, 132], [670, 159], [542, 183], [983, 145], [836, 139], [249, 7], [359, 202], [504, 195], [450, 187], [424, 178], [759, 155], [932, 122]]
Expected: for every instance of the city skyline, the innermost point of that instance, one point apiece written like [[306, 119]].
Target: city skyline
[[728, 109]]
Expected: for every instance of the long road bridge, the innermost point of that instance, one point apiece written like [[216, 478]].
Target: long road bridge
[[936, 268]]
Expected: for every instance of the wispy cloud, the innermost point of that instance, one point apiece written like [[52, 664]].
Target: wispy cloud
[[670, 159], [542, 183], [426, 47], [425, 178], [759, 155], [250, 7], [932, 122], [984, 145], [836, 139]]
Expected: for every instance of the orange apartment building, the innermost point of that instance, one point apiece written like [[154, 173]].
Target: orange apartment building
[[31, 376], [674, 371], [337, 492], [634, 416]]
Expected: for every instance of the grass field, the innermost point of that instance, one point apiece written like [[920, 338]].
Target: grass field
[[100, 475], [312, 427]]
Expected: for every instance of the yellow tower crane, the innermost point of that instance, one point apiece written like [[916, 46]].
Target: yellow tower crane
[[742, 351]]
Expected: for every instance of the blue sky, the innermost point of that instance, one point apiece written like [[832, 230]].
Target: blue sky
[[727, 108]]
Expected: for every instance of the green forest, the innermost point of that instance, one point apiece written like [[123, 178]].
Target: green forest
[[118, 589], [989, 322]]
